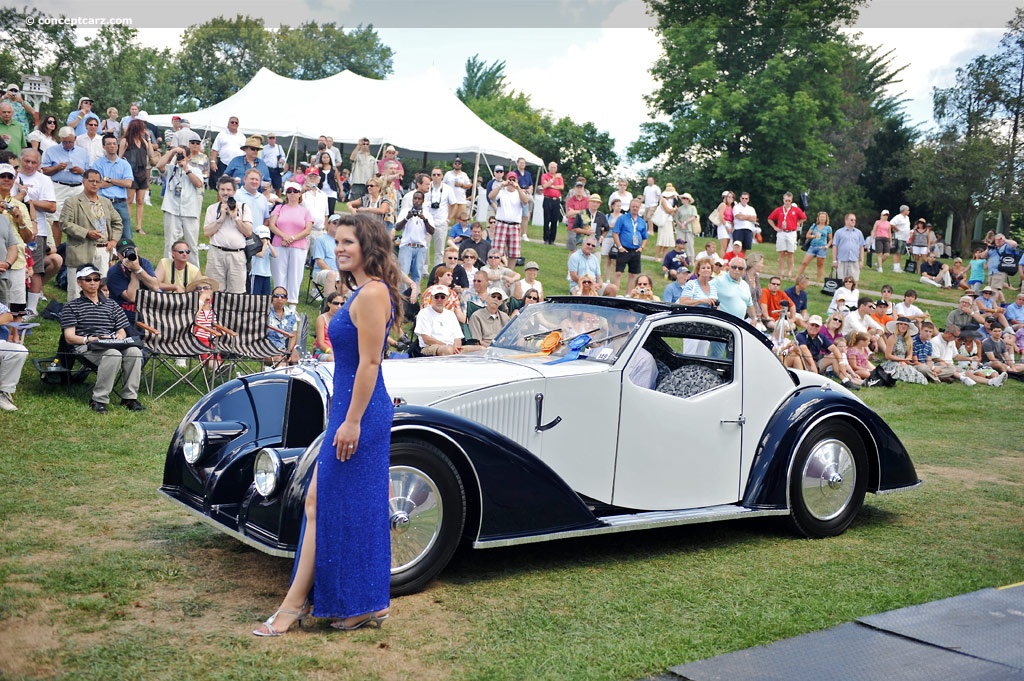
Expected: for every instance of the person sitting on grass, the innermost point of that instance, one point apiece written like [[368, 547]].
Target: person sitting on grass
[[997, 355], [923, 351], [988, 305], [900, 360], [859, 356], [935, 273], [950, 363], [816, 353], [908, 308]]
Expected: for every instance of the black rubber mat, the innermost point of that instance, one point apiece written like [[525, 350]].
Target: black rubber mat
[[987, 624], [849, 652]]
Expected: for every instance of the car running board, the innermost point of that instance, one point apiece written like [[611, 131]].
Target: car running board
[[641, 521]]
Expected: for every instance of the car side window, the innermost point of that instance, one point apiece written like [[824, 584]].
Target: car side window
[[692, 357]]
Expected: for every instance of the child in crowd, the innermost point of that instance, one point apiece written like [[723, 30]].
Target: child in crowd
[[260, 276], [908, 309], [922, 350], [977, 266], [846, 371], [859, 356], [205, 327]]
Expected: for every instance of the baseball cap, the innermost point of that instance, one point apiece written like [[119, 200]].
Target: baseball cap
[[7, 168], [84, 272], [435, 289], [124, 244], [499, 169], [84, 99], [814, 319], [532, 265]]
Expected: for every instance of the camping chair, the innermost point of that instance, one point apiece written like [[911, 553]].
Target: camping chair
[[165, 322], [60, 369], [314, 291], [246, 348]]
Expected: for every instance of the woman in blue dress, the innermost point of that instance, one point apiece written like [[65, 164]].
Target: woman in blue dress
[[344, 557]]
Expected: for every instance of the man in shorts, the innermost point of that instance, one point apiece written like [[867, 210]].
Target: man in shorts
[[630, 235], [786, 220]]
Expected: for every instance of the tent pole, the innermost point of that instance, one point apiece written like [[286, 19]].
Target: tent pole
[[476, 174]]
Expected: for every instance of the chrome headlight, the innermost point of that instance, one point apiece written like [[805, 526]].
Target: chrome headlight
[[195, 440], [266, 471]]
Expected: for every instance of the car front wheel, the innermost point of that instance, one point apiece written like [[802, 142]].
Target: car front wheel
[[828, 481], [427, 512]]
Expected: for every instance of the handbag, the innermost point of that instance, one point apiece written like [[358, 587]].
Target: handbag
[[716, 218], [880, 377], [1008, 262], [832, 284], [910, 266]]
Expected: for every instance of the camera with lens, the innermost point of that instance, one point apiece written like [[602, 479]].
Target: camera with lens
[[179, 157], [415, 212], [784, 303], [231, 203], [435, 205], [7, 205], [129, 253]]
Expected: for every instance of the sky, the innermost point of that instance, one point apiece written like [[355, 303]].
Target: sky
[[595, 66]]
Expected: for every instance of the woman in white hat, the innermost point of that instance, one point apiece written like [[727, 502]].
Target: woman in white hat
[[899, 355], [663, 218]]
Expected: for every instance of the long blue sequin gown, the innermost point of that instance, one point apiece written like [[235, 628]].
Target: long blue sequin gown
[[353, 542]]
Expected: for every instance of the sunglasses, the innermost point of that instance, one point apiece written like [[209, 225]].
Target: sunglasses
[[588, 283], [334, 302], [468, 257], [185, 251], [92, 280], [496, 296], [737, 267], [93, 124], [532, 298], [292, 191], [280, 295], [203, 288], [494, 257], [440, 296], [7, 176], [435, 174]]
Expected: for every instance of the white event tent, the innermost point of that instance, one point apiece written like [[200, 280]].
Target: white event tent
[[414, 114]]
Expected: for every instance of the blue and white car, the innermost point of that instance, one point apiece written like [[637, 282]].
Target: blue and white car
[[585, 416]]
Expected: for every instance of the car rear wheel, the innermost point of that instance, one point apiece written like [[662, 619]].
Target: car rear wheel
[[828, 481], [427, 513]]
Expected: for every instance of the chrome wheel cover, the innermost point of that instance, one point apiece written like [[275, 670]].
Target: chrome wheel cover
[[416, 513], [828, 479]]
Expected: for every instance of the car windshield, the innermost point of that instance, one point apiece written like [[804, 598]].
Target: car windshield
[[550, 329]]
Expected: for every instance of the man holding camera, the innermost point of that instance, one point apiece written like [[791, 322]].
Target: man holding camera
[[363, 167], [22, 229], [126, 278], [117, 176], [228, 224], [440, 200], [415, 224], [92, 228], [182, 201], [510, 199]]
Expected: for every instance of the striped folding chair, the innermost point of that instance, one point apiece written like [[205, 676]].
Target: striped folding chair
[[166, 325], [246, 348]]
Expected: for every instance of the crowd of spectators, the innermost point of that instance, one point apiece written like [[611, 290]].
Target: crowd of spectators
[[74, 195]]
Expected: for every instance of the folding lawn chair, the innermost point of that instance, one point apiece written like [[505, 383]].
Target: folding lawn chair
[[247, 348], [166, 324], [314, 291]]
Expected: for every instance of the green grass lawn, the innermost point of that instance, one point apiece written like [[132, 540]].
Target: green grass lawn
[[102, 579]]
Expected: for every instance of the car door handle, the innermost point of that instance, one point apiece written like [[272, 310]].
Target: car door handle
[[539, 399], [741, 420]]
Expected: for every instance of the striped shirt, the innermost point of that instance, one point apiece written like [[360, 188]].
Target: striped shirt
[[103, 318]]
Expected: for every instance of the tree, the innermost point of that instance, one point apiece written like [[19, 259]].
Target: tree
[[220, 56], [757, 103], [33, 46], [144, 75], [311, 51], [482, 81], [958, 173]]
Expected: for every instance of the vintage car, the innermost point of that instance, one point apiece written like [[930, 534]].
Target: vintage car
[[585, 416]]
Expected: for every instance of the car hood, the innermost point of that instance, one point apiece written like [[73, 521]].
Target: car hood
[[427, 380]]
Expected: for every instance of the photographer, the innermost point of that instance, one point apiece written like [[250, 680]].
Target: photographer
[[182, 201], [509, 200], [228, 223], [124, 280], [23, 228], [416, 225]]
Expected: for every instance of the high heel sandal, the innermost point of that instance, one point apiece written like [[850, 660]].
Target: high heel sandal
[[300, 617], [373, 620]]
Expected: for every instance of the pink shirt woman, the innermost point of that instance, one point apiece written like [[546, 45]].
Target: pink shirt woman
[[292, 220]]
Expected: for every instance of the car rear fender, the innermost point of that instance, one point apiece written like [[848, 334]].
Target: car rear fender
[[510, 492], [889, 464]]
